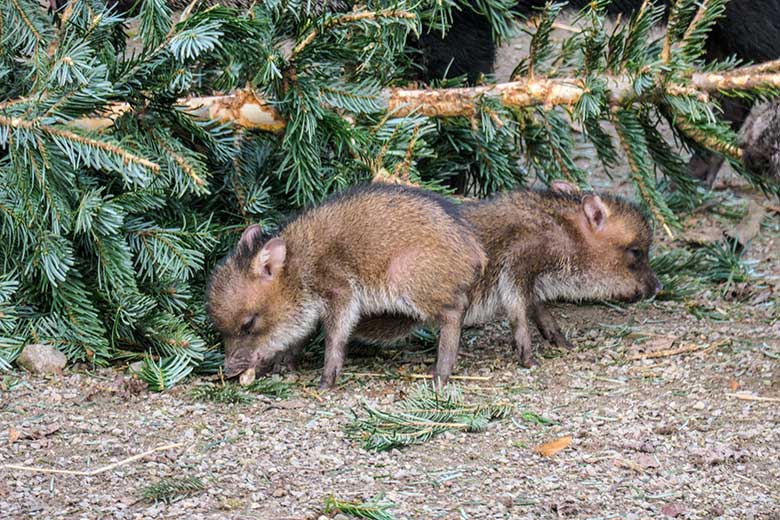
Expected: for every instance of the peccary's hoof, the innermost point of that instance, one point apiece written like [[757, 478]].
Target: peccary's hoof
[[562, 342], [440, 382], [529, 361], [326, 383]]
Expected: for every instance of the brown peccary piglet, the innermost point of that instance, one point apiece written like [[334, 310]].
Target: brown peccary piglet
[[376, 249], [557, 244]]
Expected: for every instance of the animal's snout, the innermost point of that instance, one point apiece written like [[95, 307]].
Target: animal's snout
[[235, 366]]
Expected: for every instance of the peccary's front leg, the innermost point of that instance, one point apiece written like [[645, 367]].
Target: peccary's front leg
[[338, 324], [449, 340], [522, 336], [547, 325]]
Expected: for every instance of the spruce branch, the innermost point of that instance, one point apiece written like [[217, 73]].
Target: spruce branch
[[23, 15], [708, 139], [633, 146], [374, 509], [421, 416], [347, 19], [169, 489], [79, 139]]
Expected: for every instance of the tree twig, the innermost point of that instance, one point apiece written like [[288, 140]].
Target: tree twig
[[94, 471], [349, 18], [693, 347], [749, 397], [455, 378], [415, 376]]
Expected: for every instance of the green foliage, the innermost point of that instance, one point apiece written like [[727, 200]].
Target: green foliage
[[170, 489], [374, 509], [645, 65], [108, 232], [108, 235], [687, 273], [535, 418], [228, 394], [422, 416], [232, 393]]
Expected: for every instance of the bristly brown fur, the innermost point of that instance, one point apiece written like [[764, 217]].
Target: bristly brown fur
[[541, 246], [245, 252], [370, 250]]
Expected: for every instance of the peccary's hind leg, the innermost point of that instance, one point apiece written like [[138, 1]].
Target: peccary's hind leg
[[522, 337], [548, 327], [517, 306], [449, 339]]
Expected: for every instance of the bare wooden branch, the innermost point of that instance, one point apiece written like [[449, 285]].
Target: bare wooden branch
[[244, 109], [750, 397], [674, 351], [758, 68], [713, 82], [247, 110]]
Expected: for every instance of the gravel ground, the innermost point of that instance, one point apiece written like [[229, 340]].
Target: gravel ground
[[651, 437]]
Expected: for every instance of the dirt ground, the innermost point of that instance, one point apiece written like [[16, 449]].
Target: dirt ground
[[656, 437], [652, 437]]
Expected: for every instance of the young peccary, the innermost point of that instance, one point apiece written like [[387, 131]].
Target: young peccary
[[558, 244], [377, 249]]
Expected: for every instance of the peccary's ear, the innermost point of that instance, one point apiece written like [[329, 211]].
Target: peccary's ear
[[269, 261], [249, 235], [595, 211], [564, 187]]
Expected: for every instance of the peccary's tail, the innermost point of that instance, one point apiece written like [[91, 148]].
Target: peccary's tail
[[384, 329]]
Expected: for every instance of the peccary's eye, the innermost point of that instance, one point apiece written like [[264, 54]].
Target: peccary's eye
[[246, 327], [636, 253]]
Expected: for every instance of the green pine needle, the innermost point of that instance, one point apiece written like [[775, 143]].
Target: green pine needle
[[422, 416], [374, 509], [170, 489], [687, 273], [233, 393], [229, 393]]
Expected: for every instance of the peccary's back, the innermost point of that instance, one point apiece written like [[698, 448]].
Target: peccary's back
[[378, 234]]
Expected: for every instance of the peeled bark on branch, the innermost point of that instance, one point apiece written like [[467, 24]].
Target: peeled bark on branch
[[245, 109]]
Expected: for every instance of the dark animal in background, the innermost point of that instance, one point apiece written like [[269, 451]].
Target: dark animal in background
[[377, 249], [761, 141], [748, 30], [543, 246]]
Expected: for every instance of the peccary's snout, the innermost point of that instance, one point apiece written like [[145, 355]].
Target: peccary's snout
[[654, 286], [237, 359]]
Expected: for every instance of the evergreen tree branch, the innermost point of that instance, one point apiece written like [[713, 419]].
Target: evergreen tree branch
[[73, 137], [346, 19], [708, 140], [639, 174], [28, 23]]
